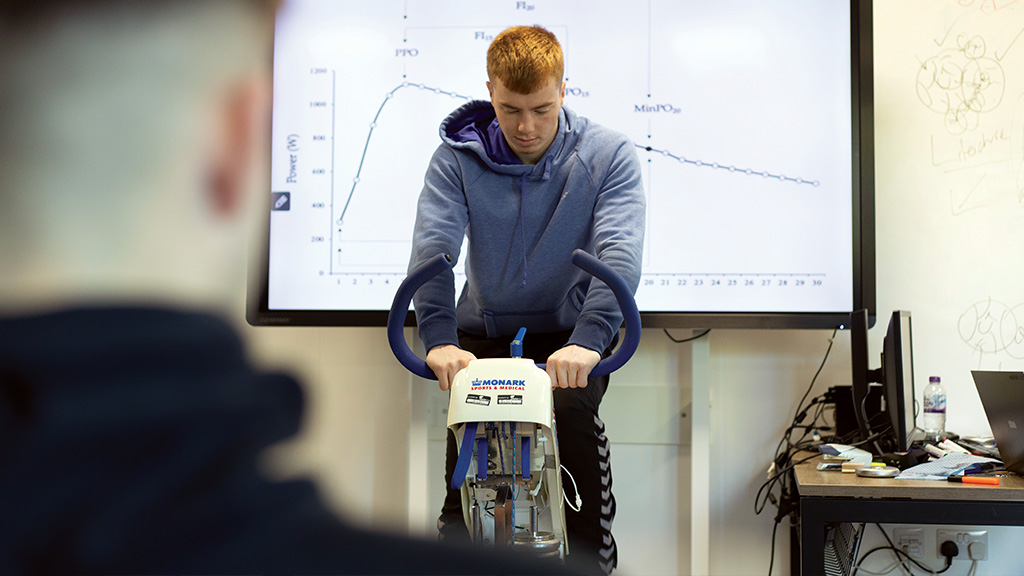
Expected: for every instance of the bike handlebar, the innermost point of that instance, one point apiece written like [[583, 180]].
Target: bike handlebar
[[581, 259]]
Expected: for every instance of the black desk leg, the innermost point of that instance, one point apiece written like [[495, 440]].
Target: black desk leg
[[794, 547], [812, 538]]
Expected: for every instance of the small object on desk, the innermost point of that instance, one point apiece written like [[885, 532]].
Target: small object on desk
[[878, 471], [858, 455], [989, 441], [935, 450], [934, 422], [950, 446], [953, 463], [983, 445], [830, 466], [851, 467], [903, 460], [990, 480], [982, 468]]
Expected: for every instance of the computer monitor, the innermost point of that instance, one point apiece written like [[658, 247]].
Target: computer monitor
[[894, 423], [898, 379]]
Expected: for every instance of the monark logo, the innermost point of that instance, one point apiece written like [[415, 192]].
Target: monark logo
[[497, 384]]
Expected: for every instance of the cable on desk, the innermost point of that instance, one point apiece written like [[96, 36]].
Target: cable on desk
[[871, 427], [776, 474]]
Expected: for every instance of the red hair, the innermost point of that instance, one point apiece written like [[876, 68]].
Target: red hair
[[524, 57]]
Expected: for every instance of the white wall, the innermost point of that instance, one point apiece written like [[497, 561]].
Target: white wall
[[949, 236]]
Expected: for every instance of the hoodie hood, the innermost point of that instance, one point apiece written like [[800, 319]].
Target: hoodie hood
[[474, 126]]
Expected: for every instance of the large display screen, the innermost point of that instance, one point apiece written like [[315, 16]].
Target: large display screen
[[751, 120]]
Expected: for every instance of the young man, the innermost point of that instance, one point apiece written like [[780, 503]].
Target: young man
[[132, 159], [528, 181]]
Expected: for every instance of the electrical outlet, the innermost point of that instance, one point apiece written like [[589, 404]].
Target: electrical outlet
[[963, 539], [910, 540]]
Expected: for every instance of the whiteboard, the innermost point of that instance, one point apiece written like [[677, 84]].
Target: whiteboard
[[949, 157]]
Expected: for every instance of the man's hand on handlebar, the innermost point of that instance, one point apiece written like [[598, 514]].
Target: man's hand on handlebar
[[446, 361], [570, 366]]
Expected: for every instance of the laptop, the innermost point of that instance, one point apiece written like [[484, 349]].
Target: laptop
[[1002, 395]]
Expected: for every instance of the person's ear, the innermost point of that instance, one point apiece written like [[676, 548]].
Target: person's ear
[[243, 115]]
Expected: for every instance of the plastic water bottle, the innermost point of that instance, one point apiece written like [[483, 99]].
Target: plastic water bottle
[[934, 423]]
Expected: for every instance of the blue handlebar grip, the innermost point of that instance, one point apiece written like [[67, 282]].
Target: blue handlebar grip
[[400, 307], [630, 314]]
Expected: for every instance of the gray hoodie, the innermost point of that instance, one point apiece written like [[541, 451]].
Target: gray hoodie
[[523, 222]]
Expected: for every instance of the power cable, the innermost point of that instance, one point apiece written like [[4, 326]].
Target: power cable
[[685, 340]]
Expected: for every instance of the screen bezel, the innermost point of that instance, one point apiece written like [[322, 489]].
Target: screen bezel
[[258, 312], [898, 365], [892, 428]]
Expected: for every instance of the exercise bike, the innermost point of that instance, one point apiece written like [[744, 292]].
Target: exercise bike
[[501, 411]]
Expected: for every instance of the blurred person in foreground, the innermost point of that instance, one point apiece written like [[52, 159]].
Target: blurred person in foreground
[[133, 140]]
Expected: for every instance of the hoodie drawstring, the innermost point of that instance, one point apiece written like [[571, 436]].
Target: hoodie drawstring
[[522, 223]]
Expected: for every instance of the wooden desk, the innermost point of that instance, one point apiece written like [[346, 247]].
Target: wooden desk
[[837, 497]]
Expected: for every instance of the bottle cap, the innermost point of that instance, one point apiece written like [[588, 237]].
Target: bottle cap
[[934, 379]]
